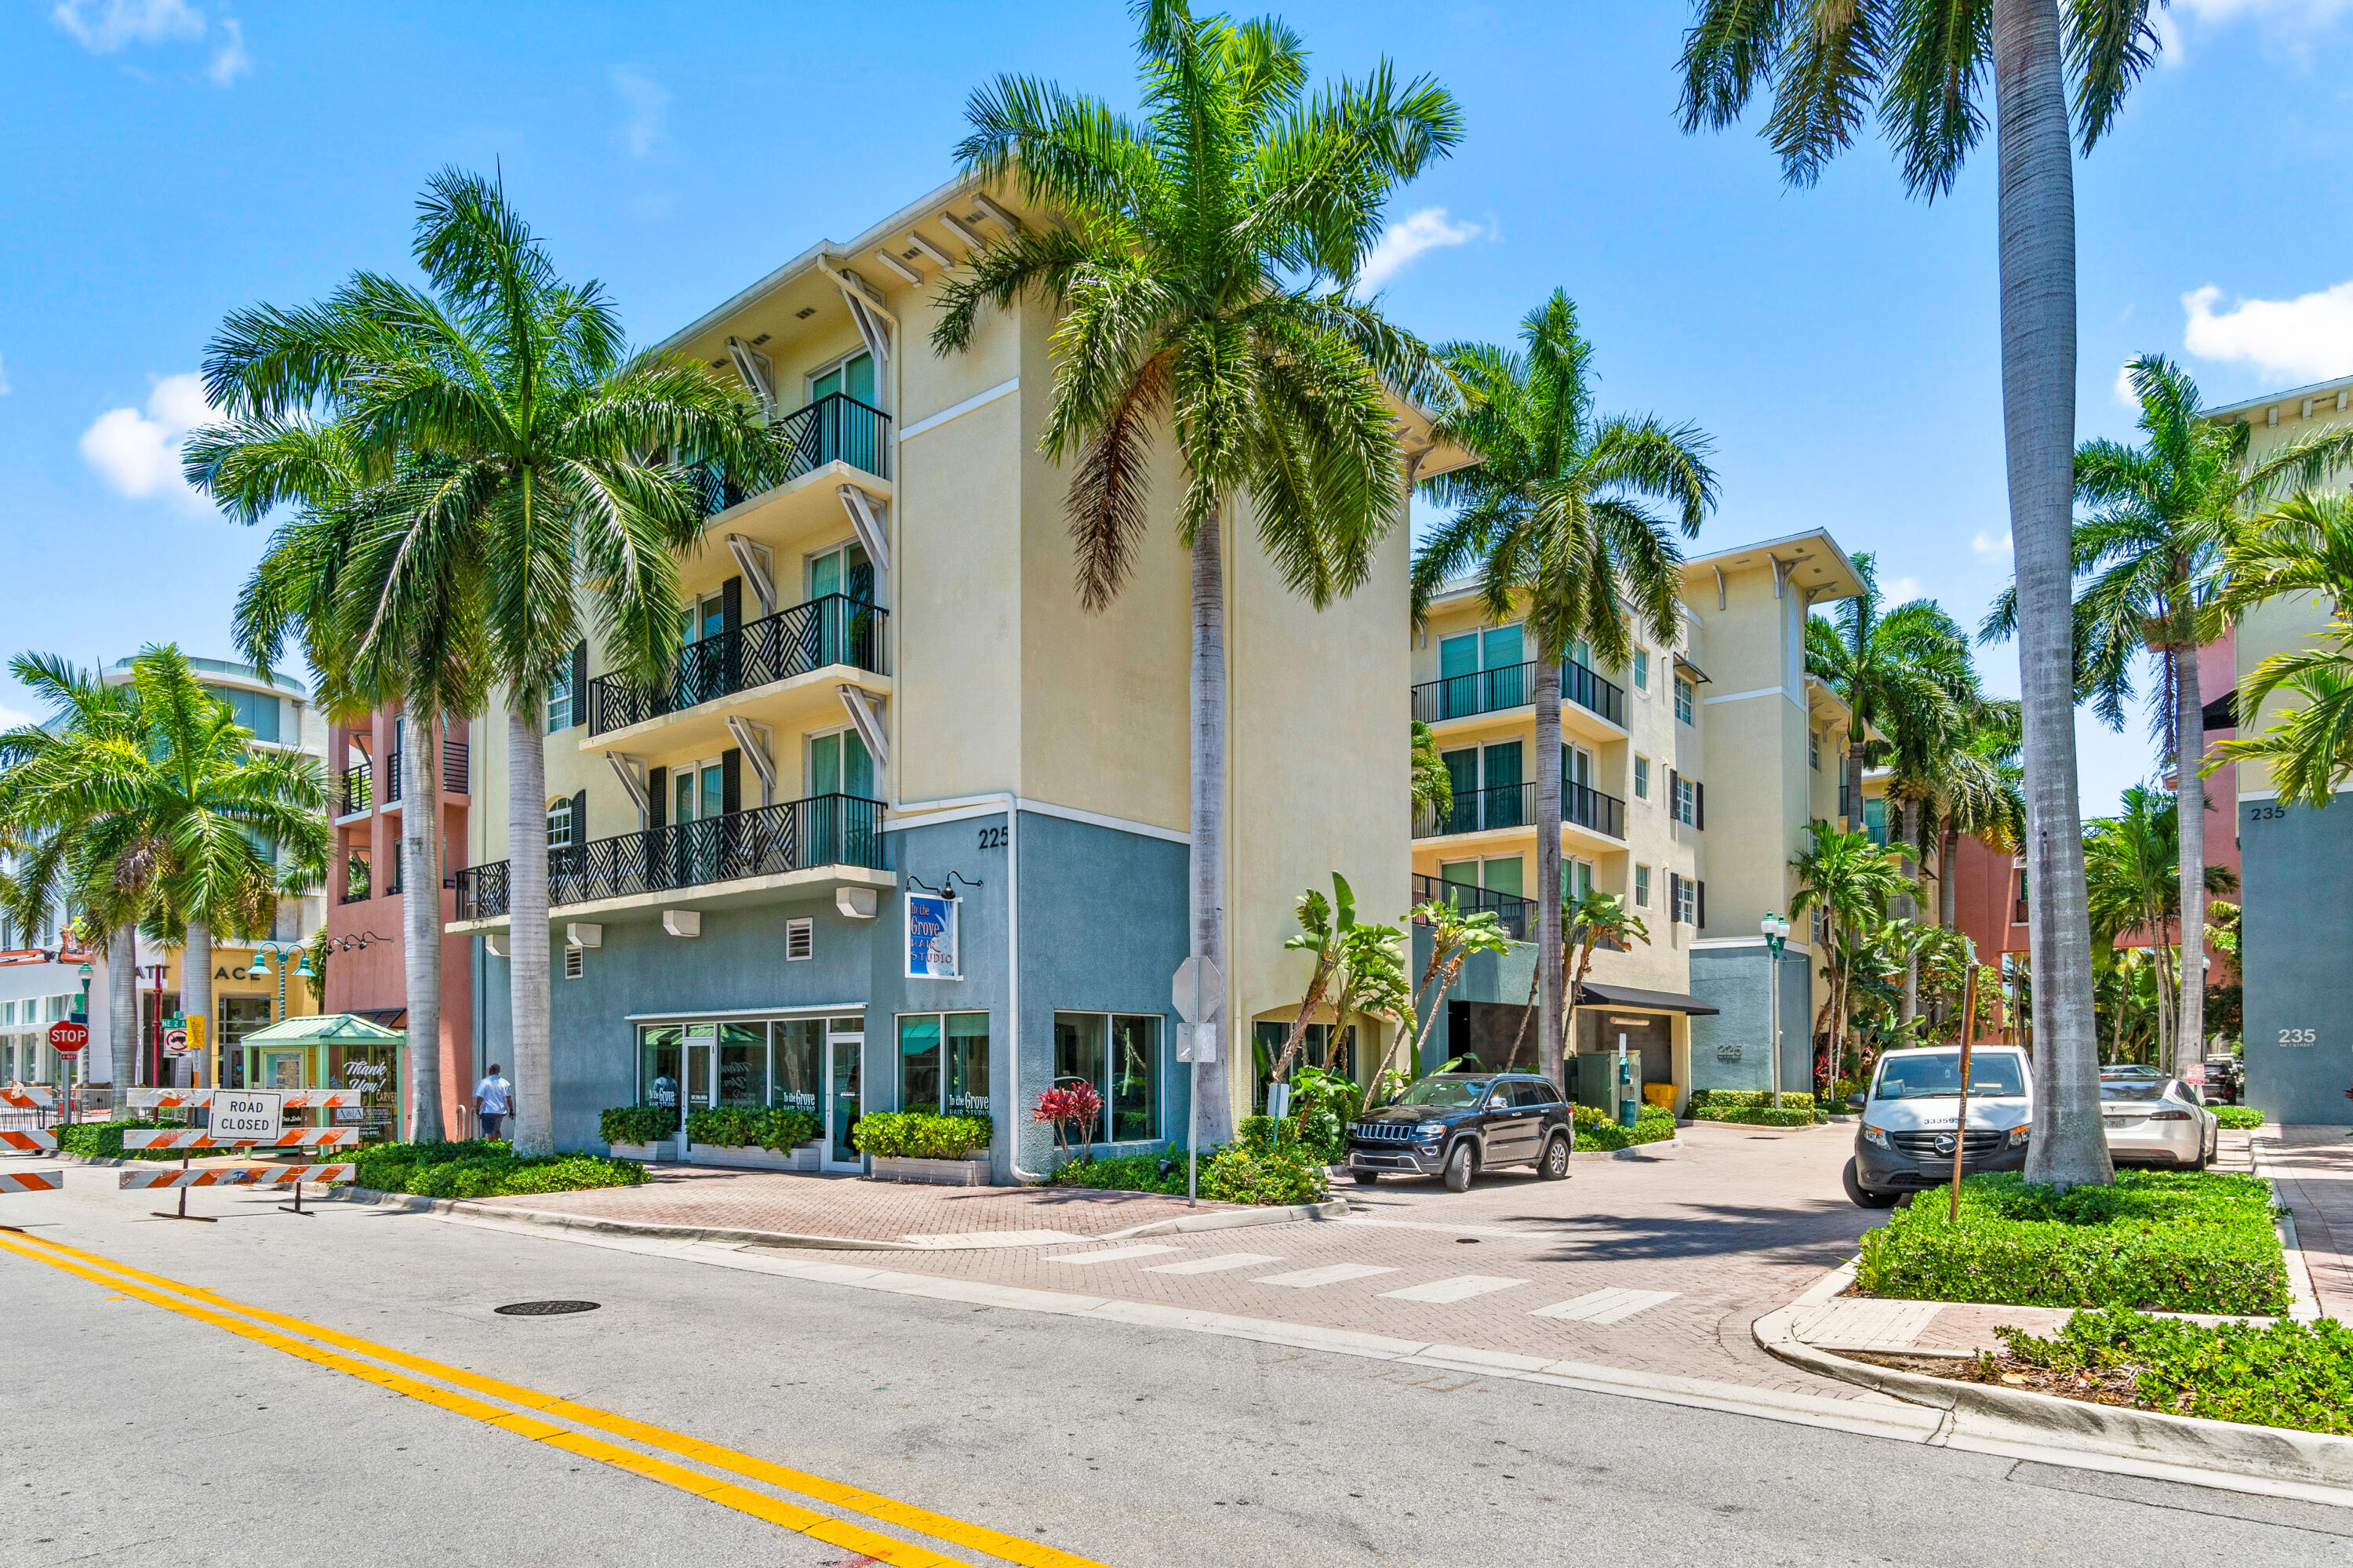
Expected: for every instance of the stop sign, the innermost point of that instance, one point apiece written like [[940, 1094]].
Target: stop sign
[[66, 1039]]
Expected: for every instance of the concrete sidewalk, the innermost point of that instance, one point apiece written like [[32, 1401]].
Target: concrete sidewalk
[[2313, 1167]]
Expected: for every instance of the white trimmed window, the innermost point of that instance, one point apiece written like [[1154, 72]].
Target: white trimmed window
[[559, 825], [1641, 668], [1641, 779], [1641, 887], [1682, 700]]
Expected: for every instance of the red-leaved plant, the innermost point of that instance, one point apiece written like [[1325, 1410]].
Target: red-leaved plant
[[1071, 1109]]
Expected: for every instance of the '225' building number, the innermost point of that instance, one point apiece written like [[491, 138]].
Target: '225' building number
[[992, 838]]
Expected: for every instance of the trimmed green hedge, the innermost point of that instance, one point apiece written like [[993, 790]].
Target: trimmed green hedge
[[1127, 1172], [480, 1169], [1595, 1130], [1747, 1100], [1240, 1174], [636, 1124], [1754, 1116], [103, 1140], [2277, 1374], [752, 1127], [2238, 1117], [1266, 1163], [2159, 1241], [919, 1135]]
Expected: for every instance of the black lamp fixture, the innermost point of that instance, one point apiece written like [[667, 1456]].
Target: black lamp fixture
[[359, 943]]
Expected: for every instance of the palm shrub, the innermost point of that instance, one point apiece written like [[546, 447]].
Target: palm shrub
[[1200, 266]]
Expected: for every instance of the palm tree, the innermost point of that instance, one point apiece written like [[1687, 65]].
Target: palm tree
[[1593, 920], [1849, 879], [2161, 516], [159, 808], [1926, 66], [531, 458], [2300, 546], [1200, 267], [1553, 519], [2132, 865], [1433, 786], [379, 629]]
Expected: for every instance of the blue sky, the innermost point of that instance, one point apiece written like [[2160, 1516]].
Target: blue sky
[[165, 161]]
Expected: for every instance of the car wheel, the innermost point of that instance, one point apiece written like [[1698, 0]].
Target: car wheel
[[1460, 1163], [1365, 1178], [1862, 1196], [1553, 1166]]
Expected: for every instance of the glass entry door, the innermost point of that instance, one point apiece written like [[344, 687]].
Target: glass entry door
[[844, 1098], [701, 1066]]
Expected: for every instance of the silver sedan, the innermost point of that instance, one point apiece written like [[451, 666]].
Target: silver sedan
[[2157, 1121]]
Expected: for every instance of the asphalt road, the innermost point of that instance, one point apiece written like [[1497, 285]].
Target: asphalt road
[[132, 1428]]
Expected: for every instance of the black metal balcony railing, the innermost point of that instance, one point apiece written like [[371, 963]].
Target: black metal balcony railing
[[456, 770], [1518, 916], [794, 836], [836, 428], [1513, 685], [1515, 806], [356, 795], [355, 881], [835, 630]]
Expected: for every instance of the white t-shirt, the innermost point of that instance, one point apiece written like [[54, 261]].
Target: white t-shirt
[[493, 1095]]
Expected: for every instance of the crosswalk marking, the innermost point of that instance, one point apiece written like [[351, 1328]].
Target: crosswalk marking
[[1116, 1255], [1461, 1288], [1331, 1274], [1223, 1260], [1612, 1306]]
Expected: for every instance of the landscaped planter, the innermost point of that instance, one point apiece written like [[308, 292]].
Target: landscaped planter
[[646, 1153], [806, 1156], [939, 1172]]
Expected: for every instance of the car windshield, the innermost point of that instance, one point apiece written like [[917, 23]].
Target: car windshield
[[2132, 1088], [1929, 1075], [1444, 1094]]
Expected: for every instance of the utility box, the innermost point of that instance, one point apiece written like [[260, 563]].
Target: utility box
[[1593, 1079]]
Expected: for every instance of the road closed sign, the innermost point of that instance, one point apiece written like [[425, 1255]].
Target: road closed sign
[[66, 1038], [247, 1113]]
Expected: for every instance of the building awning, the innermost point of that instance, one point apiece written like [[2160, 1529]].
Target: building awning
[[390, 1017], [1591, 995], [329, 1028]]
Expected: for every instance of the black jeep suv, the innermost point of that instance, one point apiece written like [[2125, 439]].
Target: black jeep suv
[[1456, 1124]]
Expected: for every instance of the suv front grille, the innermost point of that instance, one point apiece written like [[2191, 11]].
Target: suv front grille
[[1981, 1141], [1385, 1131]]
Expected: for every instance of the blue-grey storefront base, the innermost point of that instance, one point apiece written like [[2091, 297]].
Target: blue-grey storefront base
[[1103, 926], [2295, 875]]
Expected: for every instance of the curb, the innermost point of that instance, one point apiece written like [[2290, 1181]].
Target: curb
[[2018, 1415], [1632, 1151], [1332, 1209]]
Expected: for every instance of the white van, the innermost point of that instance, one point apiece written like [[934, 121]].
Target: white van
[[1908, 1134]]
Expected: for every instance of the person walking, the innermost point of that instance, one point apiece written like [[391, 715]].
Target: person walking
[[492, 1095]]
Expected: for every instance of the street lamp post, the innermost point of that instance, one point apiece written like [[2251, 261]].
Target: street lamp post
[[1777, 933]]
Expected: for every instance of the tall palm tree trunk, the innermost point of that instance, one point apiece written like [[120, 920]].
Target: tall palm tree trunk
[[1908, 903], [197, 995], [420, 921], [122, 1007], [1948, 850], [527, 934], [2190, 820], [1854, 777], [1208, 900], [2038, 374], [1549, 954]]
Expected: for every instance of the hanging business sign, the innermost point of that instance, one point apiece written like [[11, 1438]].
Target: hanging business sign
[[931, 938]]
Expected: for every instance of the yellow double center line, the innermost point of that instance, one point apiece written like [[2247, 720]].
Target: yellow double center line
[[239, 1318]]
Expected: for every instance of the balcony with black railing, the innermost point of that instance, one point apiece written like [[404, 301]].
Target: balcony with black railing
[[456, 770], [836, 428], [1518, 916], [1515, 806], [356, 792], [768, 840], [1513, 686], [834, 630]]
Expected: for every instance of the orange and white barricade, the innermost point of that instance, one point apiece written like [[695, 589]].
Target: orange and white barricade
[[239, 1176], [257, 1118], [31, 1181], [28, 1097], [199, 1138], [28, 1140]]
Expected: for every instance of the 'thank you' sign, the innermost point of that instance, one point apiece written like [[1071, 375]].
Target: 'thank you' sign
[[931, 938]]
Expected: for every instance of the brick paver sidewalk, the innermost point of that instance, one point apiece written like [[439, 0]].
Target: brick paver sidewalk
[[2314, 1167], [848, 1208]]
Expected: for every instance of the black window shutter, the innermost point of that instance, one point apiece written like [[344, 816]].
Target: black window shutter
[[1674, 801], [1699, 806], [657, 795], [1674, 898], [731, 780], [1699, 893], [580, 682], [580, 818]]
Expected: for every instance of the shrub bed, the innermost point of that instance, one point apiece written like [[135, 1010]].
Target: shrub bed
[[919, 1135], [481, 1169], [103, 1140], [636, 1124], [2238, 1117], [1127, 1172], [1748, 1099], [1652, 1124], [2158, 1241], [2275, 1374], [752, 1127], [1754, 1116], [1240, 1174], [1266, 1163]]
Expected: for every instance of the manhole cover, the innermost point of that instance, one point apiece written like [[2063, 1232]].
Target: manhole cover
[[544, 1308]]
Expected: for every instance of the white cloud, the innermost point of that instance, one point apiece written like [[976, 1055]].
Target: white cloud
[[12, 718], [1991, 548], [1903, 590], [2309, 337], [137, 454], [230, 60], [103, 27], [2309, 13], [2123, 389], [645, 126], [1427, 229]]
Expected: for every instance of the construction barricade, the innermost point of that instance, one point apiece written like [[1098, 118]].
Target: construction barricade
[[240, 1118]]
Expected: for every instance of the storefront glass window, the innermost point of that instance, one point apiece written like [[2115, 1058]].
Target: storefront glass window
[[658, 1066], [743, 1064], [1134, 1096], [1078, 1056], [968, 1064], [798, 1044], [919, 1061]]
